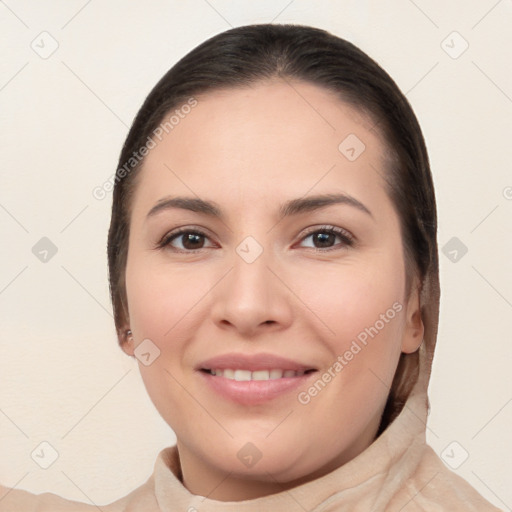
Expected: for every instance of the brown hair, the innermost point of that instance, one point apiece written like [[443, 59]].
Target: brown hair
[[254, 53]]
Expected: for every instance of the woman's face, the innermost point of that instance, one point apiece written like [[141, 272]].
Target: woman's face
[[287, 282]]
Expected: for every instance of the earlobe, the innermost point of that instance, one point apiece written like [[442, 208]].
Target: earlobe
[[126, 340], [413, 335], [414, 328]]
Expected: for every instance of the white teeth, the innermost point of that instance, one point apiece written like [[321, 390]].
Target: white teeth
[[242, 375], [229, 374], [276, 374], [260, 375], [246, 375]]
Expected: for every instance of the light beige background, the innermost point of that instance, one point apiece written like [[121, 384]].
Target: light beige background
[[63, 121]]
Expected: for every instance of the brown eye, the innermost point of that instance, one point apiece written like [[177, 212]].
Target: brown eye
[[325, 238], [187, 240]]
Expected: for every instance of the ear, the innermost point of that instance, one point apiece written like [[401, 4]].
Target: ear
[[414, 328], [126, 340]]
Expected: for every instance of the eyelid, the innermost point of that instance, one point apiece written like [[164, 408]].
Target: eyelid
[[328, 227]]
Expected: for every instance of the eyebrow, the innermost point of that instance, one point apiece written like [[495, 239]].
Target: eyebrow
[[288, 209]]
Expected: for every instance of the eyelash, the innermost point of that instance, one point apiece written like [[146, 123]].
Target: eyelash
[[347, 239]]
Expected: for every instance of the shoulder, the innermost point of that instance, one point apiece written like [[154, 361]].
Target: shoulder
[[434, 486], [18, 500], [141, 499]]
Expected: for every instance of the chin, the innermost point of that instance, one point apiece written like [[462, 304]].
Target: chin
[[280, 460]]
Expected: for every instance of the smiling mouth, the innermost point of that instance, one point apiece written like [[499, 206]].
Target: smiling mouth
[[261, 375], [254, 379]]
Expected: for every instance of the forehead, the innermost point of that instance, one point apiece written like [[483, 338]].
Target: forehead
[[264, 140]]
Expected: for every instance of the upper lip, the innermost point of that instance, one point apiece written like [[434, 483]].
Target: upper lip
[[252, 362]]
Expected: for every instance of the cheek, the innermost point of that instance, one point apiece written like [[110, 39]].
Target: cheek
[[361, 308], [160, 299], [353, 297], [364, 311], [161, 303]]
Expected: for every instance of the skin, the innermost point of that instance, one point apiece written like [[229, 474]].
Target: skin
[[249, 150]]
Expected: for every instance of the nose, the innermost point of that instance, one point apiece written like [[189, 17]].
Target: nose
[[252, 298]]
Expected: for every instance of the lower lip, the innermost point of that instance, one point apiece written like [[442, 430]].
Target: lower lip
[[254, 392]]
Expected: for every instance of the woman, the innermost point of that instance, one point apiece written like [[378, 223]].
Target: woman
[[273, 267]]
